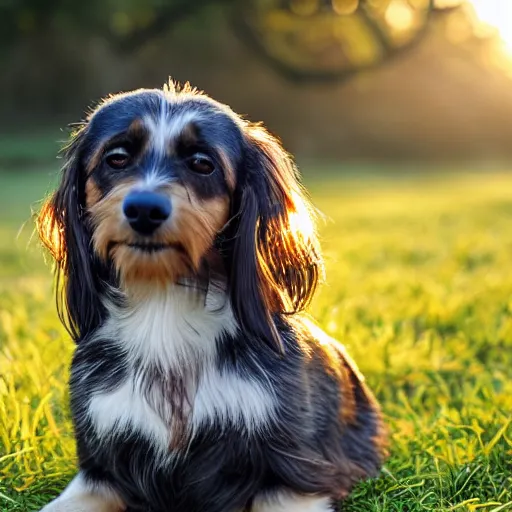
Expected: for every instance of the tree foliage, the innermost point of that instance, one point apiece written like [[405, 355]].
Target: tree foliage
[[304, 39]]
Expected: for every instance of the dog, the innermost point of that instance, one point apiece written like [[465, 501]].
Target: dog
[[186, 252]]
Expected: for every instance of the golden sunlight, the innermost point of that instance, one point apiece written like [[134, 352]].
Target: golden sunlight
[[50, 232], [399, 15], [300, 220], [498, 14]]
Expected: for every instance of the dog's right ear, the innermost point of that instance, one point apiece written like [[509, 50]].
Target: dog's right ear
[[275, 260], [63, 230]]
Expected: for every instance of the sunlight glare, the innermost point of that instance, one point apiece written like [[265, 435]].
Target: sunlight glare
[[299, 218], [50, 232], [498, 14], [400, 15]]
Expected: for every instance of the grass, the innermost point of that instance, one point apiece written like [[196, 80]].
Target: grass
[[419, 289], [25, 148]]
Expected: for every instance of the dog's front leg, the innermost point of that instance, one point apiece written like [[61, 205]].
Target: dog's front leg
[[81, 496], [286, 501]]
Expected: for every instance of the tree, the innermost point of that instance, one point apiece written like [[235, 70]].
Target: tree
[[302, 39]]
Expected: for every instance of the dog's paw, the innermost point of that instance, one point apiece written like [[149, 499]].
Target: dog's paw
[[83, 504]]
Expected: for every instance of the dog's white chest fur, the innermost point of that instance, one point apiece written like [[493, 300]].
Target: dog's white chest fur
[[176, 331]]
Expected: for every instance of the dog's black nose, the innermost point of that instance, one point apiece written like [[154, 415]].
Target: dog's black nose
[[146, 211]]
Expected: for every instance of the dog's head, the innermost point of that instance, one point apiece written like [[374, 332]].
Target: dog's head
[[156, 185]]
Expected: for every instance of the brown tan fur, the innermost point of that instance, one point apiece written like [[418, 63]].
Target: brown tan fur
[[51, 232], [92, 192], [190, 233], [229, 172], [187, 136], [136, 129], [94, 160]]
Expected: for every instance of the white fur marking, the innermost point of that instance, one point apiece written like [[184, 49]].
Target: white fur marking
[[228, 397], [82, 497], [126, 408], [287, 502], [75, 487], [176, 329], [152, 180], [166, 128], [163, 130], [171, 328]]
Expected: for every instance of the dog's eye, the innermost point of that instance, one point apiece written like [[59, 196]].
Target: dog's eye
[[201, 164], [117, 158]]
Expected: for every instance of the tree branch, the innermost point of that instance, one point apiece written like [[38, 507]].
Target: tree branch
[[165, 19], [245, 31]]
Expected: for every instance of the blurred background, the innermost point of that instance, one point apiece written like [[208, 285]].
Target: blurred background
[[400, 115], [343, 80]]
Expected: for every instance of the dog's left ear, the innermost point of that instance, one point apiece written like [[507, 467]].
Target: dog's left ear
[[275, 260], [63, 230]]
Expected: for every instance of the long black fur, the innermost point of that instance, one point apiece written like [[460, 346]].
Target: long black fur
[[308, 449], [327, 432]]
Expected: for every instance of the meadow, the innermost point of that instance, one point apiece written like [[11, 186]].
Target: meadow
[[419, 289]]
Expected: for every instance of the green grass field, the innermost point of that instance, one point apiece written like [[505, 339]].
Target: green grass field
[[419, 288]]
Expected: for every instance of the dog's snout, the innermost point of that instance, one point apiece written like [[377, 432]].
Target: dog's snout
[[146, 211]]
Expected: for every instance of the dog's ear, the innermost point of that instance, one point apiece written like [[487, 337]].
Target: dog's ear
[[63, 230], [275, 260]]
